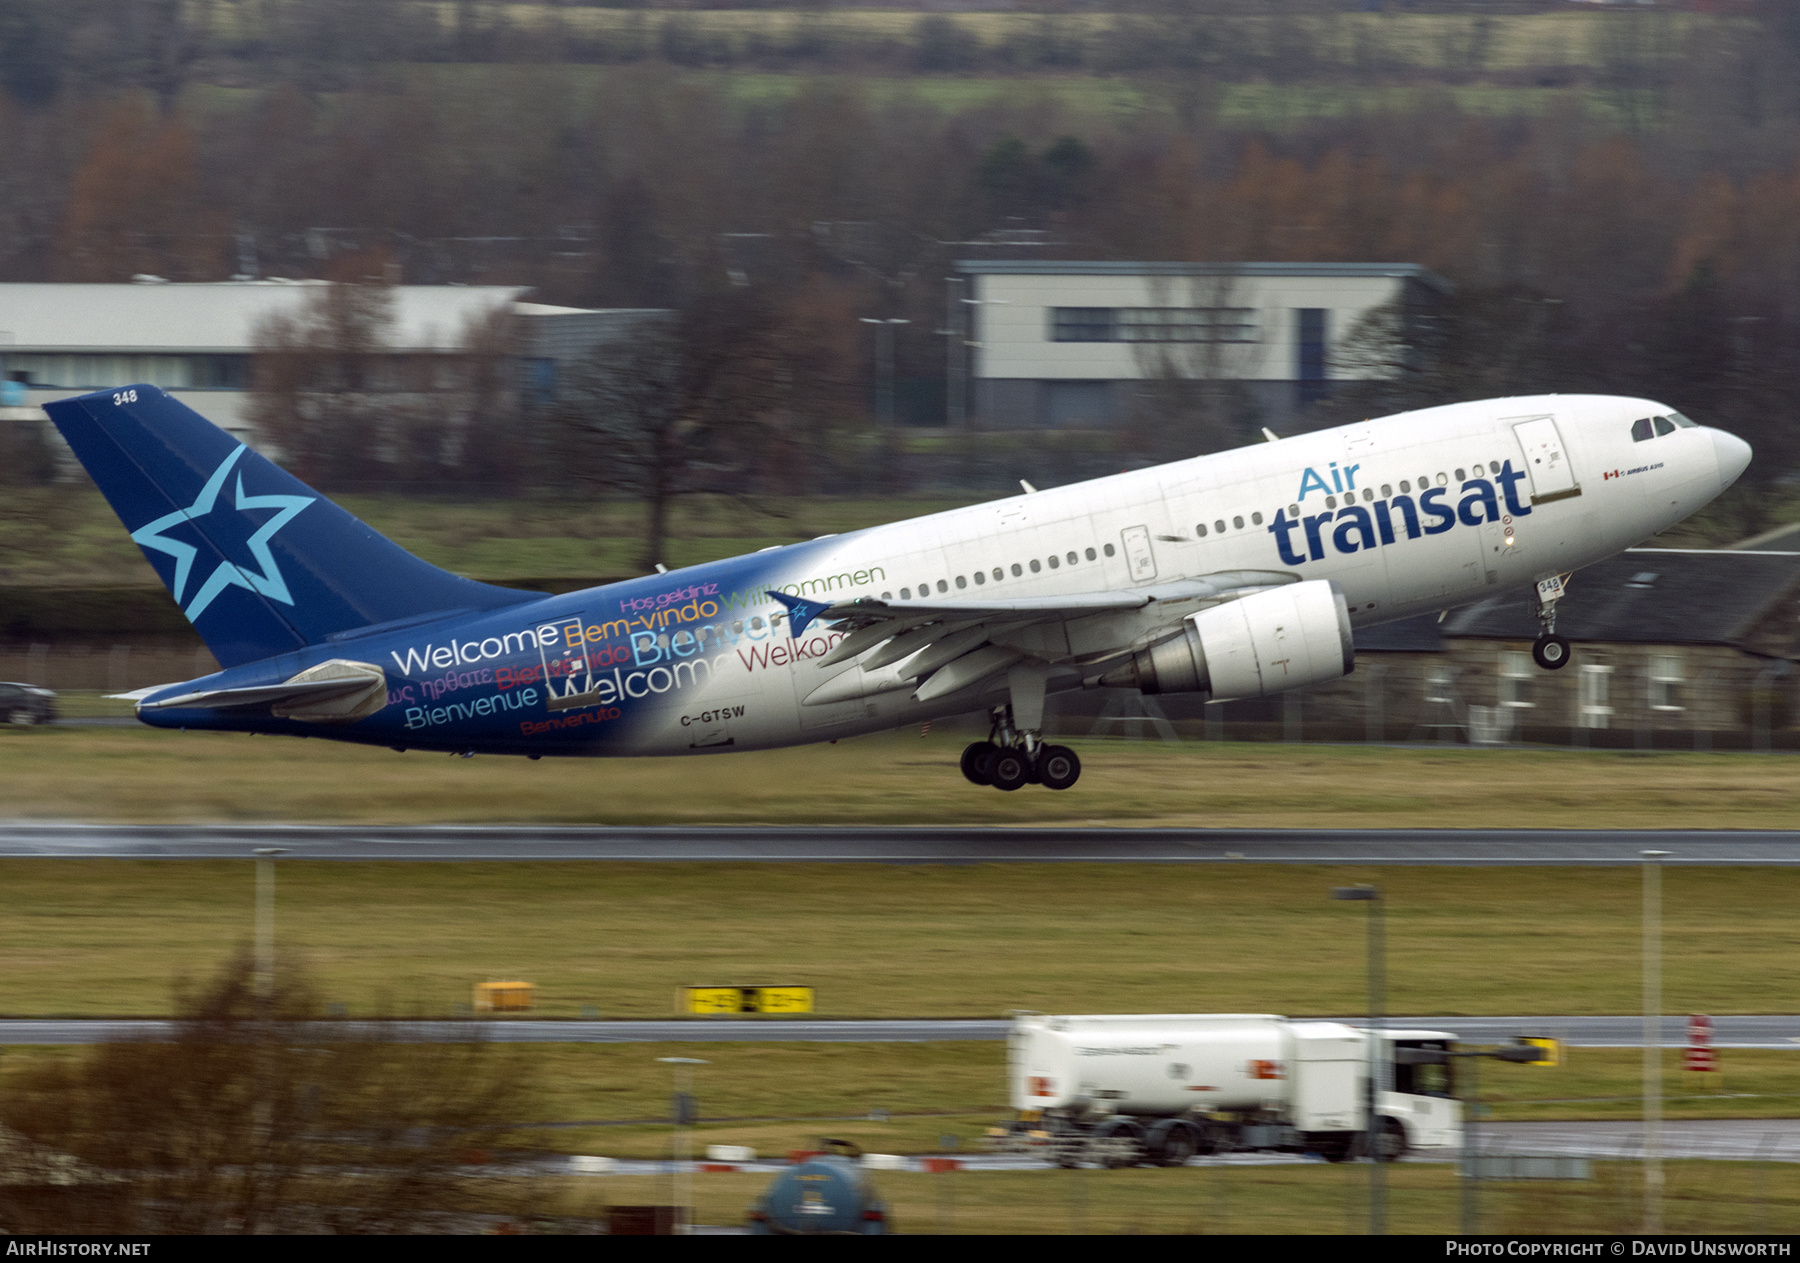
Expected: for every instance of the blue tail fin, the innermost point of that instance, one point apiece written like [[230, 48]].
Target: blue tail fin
[[260, 563]]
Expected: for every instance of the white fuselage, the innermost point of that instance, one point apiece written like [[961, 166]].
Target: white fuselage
[[1348, 505]]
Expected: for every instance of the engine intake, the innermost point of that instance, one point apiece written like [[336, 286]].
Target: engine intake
[[1268, 642]]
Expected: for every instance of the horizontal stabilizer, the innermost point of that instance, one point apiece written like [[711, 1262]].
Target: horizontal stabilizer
[[263, 695], [337, 691]]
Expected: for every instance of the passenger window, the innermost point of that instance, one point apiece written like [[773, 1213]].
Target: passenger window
[[1238, 523], [1256, 519], [1442, 480], [1054, 563], [1219, 527], [1293, 510], [1017, 572], [1036, 566], [1073, 558], [980, 578], [1478, 470], [887, 596], [1640, 430], [1200, 530], [961, 582], [1405, 487], [1368, 493], [1000, 574], [1664, 426], [1090, 554], [1460, 475], [1108, 550], [1387, 490], [942, 586], [1331, 502]]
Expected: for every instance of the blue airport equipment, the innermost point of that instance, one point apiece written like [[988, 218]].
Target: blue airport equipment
[[827, 1195]]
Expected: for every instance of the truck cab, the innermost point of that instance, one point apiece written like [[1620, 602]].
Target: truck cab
[[1422, 1098]]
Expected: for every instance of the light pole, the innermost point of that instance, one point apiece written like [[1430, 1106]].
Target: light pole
[[1653, 1158], [1525, 1054], [682, 1116], [265, 923], [884, 366], [1377, 1075], [262, 1116]]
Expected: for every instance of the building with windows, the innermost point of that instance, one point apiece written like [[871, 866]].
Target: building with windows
[[1674, 650], [197, 340], [1078, 344]]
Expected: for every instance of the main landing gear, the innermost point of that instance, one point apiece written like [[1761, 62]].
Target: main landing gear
[[1010, 759], [1549, 650]]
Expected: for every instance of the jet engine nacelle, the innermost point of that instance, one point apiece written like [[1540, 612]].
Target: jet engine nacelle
[[1268, 642]]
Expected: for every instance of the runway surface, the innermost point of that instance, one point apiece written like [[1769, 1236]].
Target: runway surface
[[934, 844], [1749, 1031]]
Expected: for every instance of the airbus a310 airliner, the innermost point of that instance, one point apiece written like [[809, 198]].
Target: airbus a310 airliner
[[1236, 575]]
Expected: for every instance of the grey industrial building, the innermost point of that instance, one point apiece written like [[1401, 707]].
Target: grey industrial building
[[197, 340], [1065, 344]]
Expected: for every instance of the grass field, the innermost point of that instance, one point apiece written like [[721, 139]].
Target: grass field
[[1423, 41], [618, 939], [1711, 1197], [142, 774]]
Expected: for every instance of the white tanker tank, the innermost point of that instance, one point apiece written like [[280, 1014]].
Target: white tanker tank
[[1130, 1088]]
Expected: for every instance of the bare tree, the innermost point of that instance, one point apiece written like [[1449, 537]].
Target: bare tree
[[255, 1115], [677, 405], [1194, 351], [315, 380]]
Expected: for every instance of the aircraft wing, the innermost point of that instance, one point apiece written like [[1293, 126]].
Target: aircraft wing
[[940, 647]]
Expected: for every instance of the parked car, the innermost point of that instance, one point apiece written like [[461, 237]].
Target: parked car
[[26, 704]]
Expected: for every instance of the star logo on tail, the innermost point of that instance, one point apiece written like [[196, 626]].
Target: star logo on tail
[[269, 583]]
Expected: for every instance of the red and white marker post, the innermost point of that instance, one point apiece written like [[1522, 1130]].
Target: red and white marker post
[[1700, 1054]]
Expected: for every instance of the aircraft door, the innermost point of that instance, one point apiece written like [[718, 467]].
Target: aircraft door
[[1138, 553], [1547, 465], [571, 658]]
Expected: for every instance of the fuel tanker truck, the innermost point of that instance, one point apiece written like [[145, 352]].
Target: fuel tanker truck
[[1131, 1089]]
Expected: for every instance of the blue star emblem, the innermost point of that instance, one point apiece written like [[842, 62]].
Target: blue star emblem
[[226, 575]]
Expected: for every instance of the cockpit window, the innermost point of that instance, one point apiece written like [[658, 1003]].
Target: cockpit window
[[1683, 422], [1640, 430], [1664, 426]]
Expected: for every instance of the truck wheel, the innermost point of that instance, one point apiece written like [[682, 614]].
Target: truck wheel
[[1335, 1147], [1117, 1143], [1390, 1140], [1172, 1142]]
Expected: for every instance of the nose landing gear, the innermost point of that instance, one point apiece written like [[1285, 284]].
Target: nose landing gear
[[1550, 651], [1010, 759]]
